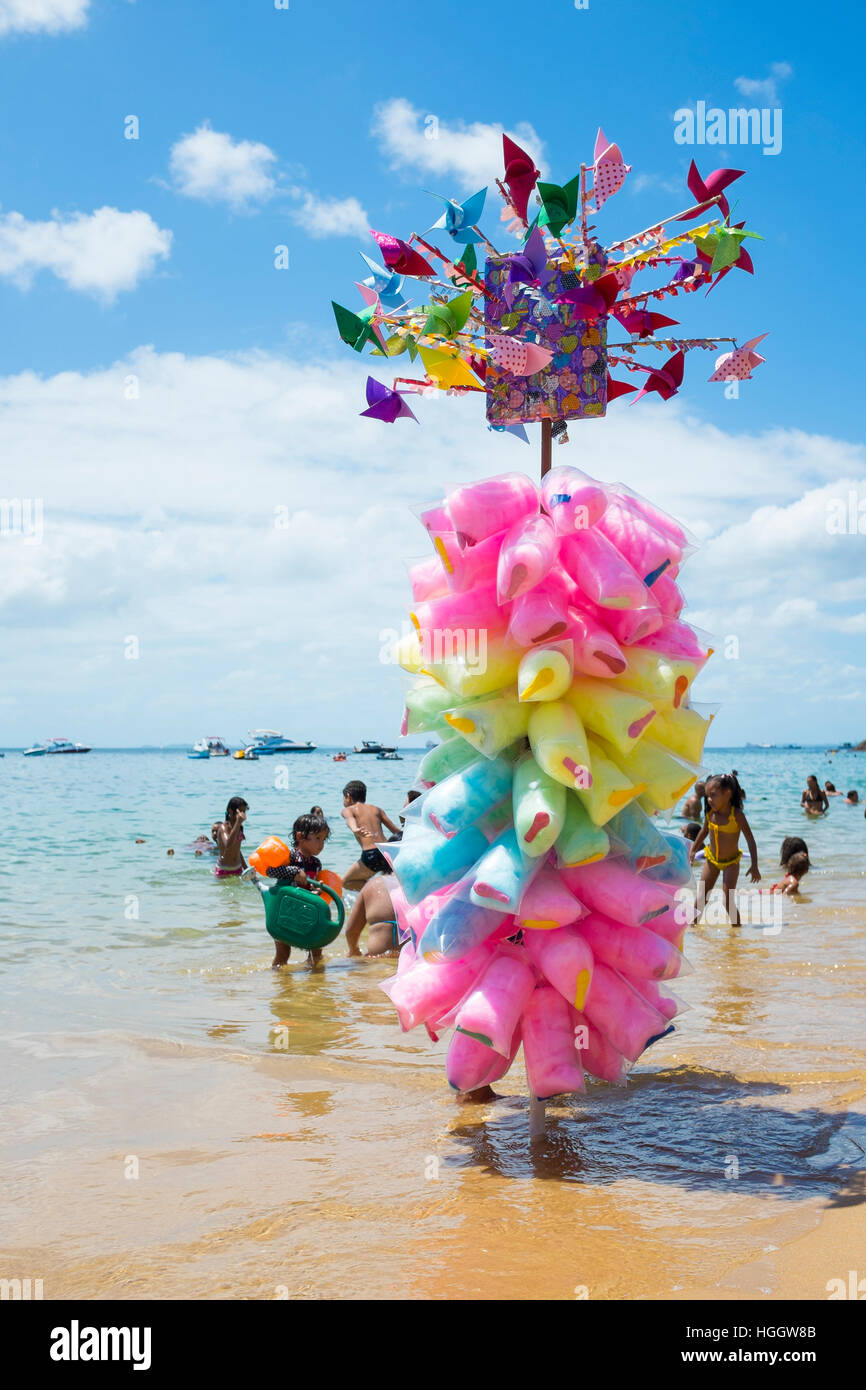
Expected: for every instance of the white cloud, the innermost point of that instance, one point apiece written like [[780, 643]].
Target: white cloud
[[411, 139], [765, 88], [323, 217], [99, 253], [212, 166], [42, 16], [159, 521]]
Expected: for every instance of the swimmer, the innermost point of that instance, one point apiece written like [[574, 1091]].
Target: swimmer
[[723, 823], [365, 823], [228, 835], [795, 869], [309, 834], [373, 909], [693, 806], [813, 800]]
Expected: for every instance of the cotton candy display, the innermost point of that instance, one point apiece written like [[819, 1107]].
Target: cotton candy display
[[538, 890]]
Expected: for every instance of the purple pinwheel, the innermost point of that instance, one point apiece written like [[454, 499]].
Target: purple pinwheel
[[385, 404]]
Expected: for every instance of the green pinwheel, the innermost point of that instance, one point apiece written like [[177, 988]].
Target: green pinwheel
[[558, 204], [447, 319]]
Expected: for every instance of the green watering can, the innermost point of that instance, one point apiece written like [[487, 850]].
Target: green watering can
[[300, 918]]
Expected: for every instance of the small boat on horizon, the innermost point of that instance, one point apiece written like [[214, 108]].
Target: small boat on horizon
[[268, 741], [209, 747], [371, 746], [52, 746]]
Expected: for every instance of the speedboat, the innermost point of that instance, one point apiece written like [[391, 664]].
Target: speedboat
[[54, 745], [389, 756], [246, 755], [209, 747], [370, 746], [267, 741]]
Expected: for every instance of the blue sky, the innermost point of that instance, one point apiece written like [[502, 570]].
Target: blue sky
[[260, 127]]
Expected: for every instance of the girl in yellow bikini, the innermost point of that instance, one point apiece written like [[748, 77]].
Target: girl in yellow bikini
[[723, 822]]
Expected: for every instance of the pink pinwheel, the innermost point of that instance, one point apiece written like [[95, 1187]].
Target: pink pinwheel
[[642, 323], [666, 380], [743, 261], [616, 389], [385, 404], [528, 267], [399, 255], [740, 363], [592, 300], [521, 175], [703, 190], [518, 356], [608, 171]]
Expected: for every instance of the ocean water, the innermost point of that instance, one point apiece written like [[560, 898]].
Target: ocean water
[[184, 1122]]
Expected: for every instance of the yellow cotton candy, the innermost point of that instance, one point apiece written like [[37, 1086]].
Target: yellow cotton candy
[[619, 716], [545, 673], [611, 788], [682, 731], [665, 779], [650, 675], [478, 669], [407, 653], [490, 724], [559, 743]]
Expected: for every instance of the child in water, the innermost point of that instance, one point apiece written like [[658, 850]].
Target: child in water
[[227, 835], [373, 909], [365, 823], [309, 834], [723, 824], [795, 868]]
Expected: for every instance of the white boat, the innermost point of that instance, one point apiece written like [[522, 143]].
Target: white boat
[[209, 747], [54, 745], [371, 746], [267, 741]]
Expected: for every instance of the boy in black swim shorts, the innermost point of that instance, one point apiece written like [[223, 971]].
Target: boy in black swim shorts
[[366, 824]]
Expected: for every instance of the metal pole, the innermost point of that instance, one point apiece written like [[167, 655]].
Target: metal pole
[[536, 1106], [546, 442]]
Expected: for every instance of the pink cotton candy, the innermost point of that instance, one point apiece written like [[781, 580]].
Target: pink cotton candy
[[626, 625], [598, 1056], [634, 950], [491, 1011], [477, 608], [602, 575], [475, 565], [470, 1065], [564, 959], [428, 989], [618, 1011], [677, 640], [596, 651], [493, 504], [548, 902], [573, 499], [541, 614], [552, 1064], [667, 595], [614, 890], [650, 552], [529, 551], [427, 578]]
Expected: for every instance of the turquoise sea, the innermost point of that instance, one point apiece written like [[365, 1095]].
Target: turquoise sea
[[273, 1116]]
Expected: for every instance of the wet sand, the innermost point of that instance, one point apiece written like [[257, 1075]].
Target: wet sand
[[334, 1163]]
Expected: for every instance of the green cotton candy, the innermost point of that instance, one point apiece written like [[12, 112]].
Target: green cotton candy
[[446, 758], [579, 841]]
